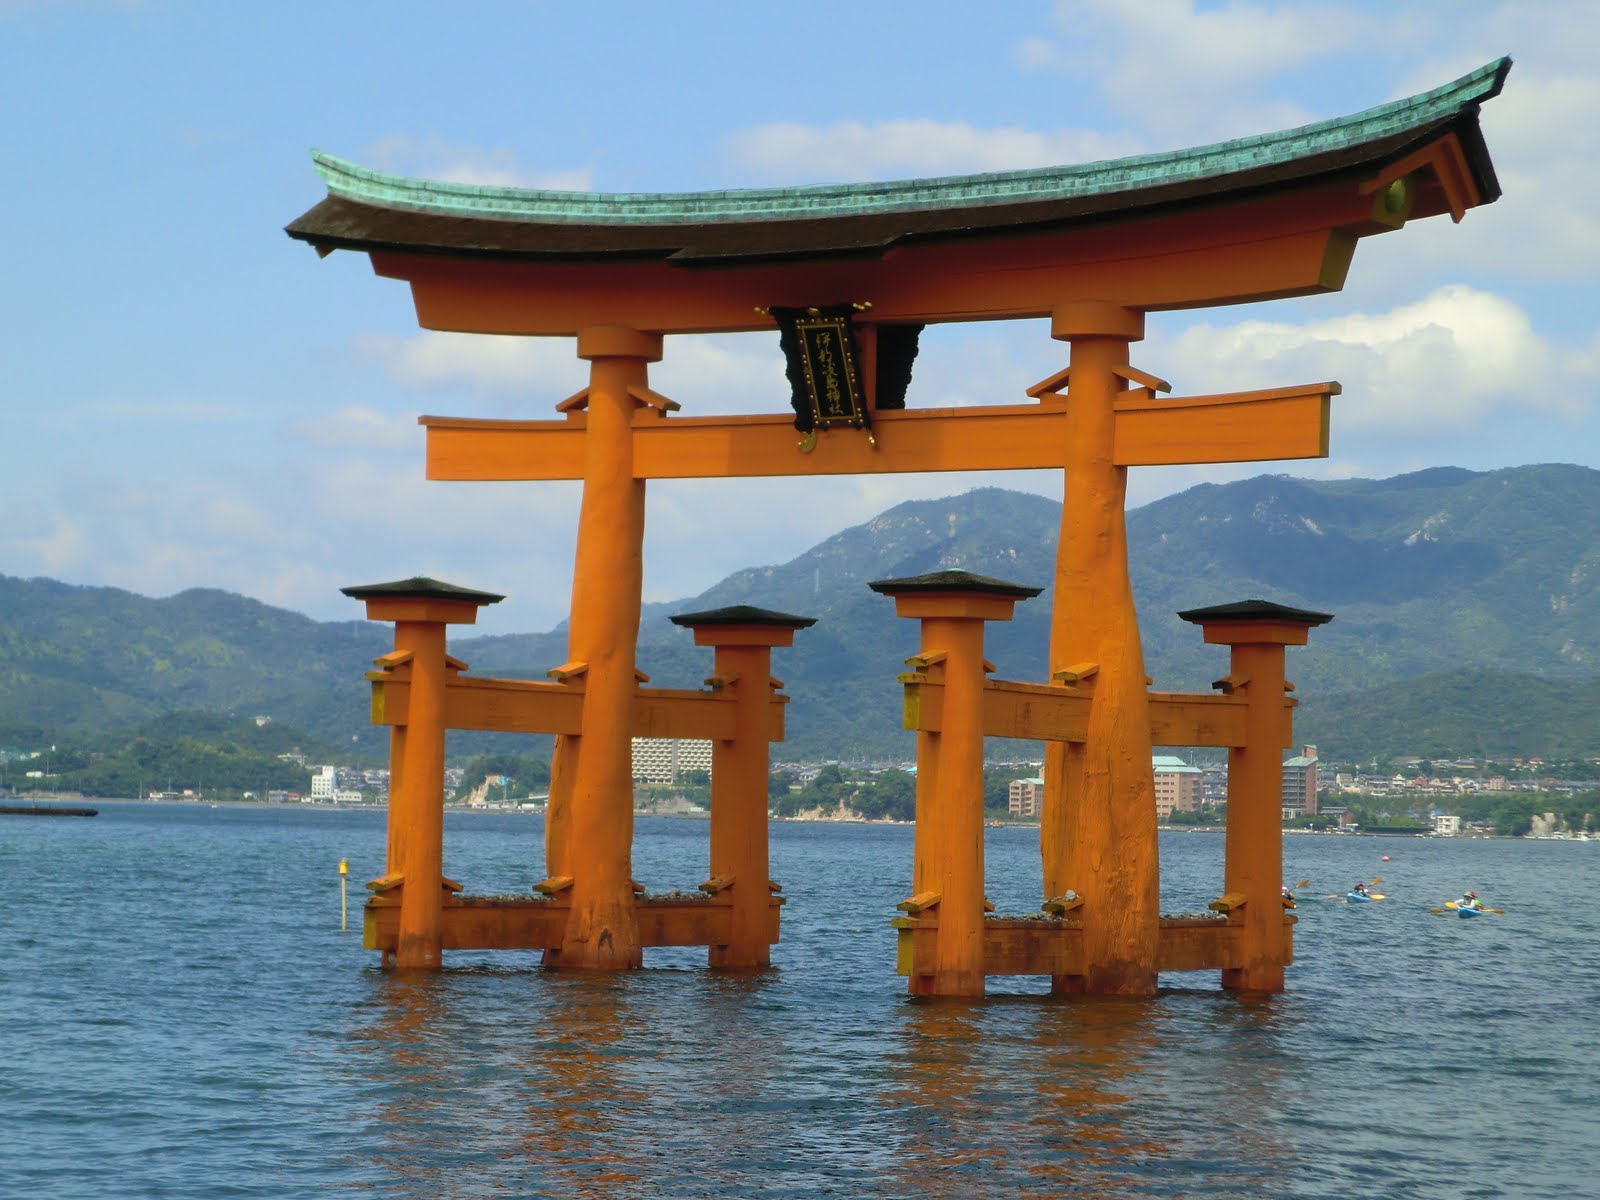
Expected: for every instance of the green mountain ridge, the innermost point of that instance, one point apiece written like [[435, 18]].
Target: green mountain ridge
[[1447, 584]]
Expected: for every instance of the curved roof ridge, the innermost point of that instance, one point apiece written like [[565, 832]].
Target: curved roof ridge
[[348, 180]]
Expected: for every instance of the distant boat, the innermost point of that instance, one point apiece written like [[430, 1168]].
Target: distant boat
[[49, 810]]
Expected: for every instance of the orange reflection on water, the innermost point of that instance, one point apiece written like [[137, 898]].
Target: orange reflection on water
[[960, 1064], [470, 1109], [487, 1083]]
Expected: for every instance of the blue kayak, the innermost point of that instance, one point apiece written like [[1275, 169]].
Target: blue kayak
[[1464, 913], [1358, 897]]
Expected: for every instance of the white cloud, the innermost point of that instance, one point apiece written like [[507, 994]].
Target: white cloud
[[735, 373], [721, 374], [293, 533], [1543, 135], [355, 427], [435, 158], [1037, 54], [1444, 365], [1188, 72], [850, 150], [536, 371], [61, 550], [166, 409]]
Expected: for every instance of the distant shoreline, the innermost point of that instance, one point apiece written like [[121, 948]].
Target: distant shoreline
[[485, 810]]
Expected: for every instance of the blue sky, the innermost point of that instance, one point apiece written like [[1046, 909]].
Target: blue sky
[[191, 399]]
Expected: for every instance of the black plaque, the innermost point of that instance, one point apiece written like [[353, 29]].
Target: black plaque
[[824, 368]]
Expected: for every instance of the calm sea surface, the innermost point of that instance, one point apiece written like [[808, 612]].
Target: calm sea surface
[[181, 1016]]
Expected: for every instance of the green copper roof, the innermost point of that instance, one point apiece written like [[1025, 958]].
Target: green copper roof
[[1254, 610], [742, 614], [954, 579], [420, 587], [1116, 176]]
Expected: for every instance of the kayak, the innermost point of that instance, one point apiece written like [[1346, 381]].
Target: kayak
[[1464, 913], [1357, 897]]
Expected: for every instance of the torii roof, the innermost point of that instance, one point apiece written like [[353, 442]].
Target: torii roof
[[371, 211]]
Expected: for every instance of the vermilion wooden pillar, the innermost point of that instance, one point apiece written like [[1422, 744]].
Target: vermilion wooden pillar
[[740, 864], [589, 827], [1098, 828], [952, 606], [420, 609], [1257, 631]]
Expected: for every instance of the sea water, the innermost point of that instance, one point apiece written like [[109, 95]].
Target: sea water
[[182, 1016]]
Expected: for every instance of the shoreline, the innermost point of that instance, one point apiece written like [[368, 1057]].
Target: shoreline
[[488, 810]]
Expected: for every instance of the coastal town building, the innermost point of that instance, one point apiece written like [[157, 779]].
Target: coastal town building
[[668, 760], [1025, 797], [324, 782], [1179, 787], [1300, 784]]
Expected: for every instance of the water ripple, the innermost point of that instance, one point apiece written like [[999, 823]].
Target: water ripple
[[181, 1035]]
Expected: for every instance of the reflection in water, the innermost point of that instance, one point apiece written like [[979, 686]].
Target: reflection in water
[[154, 1060], [687, 1083], [1083, 1098], [671, 1083], [480, 1100]]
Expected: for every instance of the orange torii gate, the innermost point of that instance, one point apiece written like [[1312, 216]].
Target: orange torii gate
[[849, 274]]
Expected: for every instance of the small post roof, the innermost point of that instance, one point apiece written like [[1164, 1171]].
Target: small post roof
[[1255, 610], [419, 587], [741, 614], [954, 580]]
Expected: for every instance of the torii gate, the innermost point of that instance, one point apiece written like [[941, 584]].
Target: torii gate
[[1093, 248]]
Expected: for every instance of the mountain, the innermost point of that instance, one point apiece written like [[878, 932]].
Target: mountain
[[1439, 581], [92, 659], [1438, 571]]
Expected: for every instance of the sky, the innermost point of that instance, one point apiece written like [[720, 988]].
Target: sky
[[191, 399]]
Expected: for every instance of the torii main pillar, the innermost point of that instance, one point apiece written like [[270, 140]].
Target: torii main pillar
[[1098, 829]]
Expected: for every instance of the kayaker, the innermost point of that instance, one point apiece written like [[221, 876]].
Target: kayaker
[[1360, 889], [1470, 900]]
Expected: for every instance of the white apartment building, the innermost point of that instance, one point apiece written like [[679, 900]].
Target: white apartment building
[[324, 784], [667, 760]]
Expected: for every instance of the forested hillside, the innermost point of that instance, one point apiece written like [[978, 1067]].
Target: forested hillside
[[1466, 606]]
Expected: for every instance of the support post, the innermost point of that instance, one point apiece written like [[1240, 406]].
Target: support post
[[952, 606], [1098, 827], [1257, 632], [414, 862], [589, 823], [743, 638]]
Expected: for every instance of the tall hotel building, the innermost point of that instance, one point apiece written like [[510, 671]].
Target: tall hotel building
[[667, 760]]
